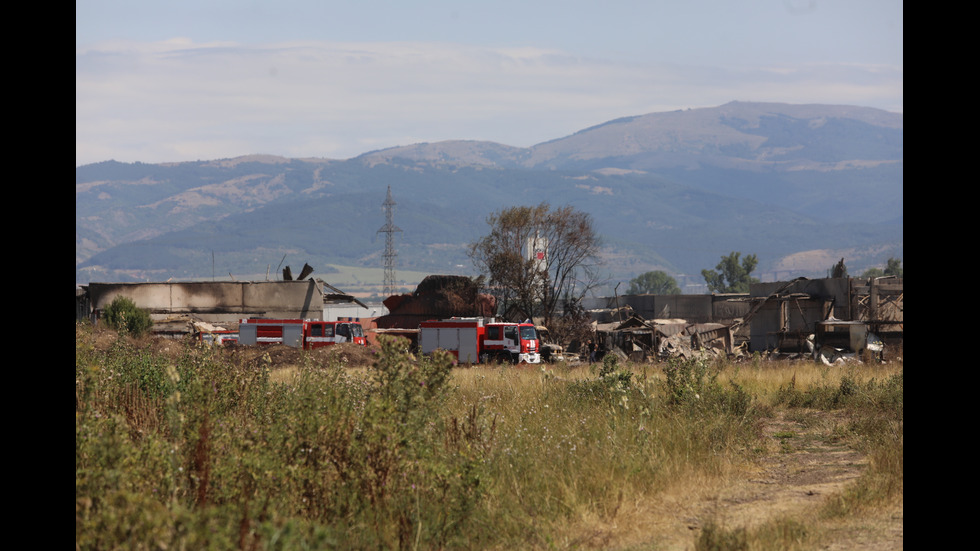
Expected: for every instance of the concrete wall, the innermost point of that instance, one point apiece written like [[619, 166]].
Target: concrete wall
[[785, 323], [694, 308], [836, 289], [217, 301], [333, 312], [727, 308]]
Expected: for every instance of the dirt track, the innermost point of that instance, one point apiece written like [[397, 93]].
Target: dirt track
[[805, 467], [802, 468]]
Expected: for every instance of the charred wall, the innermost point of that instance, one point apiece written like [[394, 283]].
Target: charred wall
[[694, 308], [216, 301]]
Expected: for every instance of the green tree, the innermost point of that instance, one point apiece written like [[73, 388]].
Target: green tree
[[731, 275], [537, 259], [123, 315], [892, 268], [653, 283]]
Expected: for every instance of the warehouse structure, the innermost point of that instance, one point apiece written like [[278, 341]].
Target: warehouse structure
[[179, 307]]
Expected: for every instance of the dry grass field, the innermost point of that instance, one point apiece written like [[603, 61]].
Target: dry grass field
[[179, 446]]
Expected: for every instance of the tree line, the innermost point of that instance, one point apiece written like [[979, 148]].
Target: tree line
[[541, 262]]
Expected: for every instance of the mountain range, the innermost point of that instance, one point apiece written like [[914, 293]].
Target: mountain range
[[800, 186]]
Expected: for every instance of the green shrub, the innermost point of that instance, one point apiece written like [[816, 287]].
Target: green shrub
[[614, 384], [692, 384], [124, 316]]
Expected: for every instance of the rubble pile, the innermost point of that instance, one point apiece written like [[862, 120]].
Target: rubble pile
[[437, 297]]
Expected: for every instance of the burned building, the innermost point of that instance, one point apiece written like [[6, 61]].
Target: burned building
[[803, 316], [176, 307], [826, 318]]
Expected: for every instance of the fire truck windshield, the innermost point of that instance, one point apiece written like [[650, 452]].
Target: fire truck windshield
[[528, 333], [350, 330]]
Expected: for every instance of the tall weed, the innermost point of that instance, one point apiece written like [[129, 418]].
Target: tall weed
[[693, 385], [232, 459], [202, 450], [849, 391], [781, 534]]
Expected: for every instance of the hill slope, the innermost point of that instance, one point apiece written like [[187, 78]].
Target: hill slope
[[671, 191]]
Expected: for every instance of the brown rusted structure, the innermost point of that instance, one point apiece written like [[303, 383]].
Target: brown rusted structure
[[437, 297]]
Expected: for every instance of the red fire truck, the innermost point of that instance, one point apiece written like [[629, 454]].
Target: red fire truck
[[474, 340], [298, 333]]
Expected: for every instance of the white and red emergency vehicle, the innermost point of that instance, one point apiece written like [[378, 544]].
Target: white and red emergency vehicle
[[475, 340], [306, 334], [219, 337]]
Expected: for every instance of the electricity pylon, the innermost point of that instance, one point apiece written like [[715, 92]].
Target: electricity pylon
[[389, 228]]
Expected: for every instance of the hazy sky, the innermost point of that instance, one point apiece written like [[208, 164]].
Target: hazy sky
[[185, 80]]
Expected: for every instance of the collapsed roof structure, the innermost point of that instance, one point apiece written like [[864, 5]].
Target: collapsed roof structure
[[831, 319]]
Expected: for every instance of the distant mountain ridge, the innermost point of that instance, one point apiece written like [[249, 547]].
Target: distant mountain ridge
[[737, 134], [671, 191]]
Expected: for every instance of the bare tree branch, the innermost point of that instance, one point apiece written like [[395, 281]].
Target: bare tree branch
[[538, 286]]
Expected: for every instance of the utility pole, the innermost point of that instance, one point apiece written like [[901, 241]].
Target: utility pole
[[389, 228]]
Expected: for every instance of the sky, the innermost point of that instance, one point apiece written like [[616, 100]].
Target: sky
[[186, 80]]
